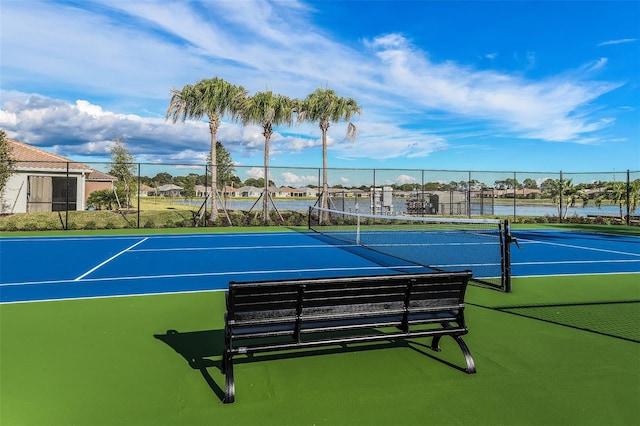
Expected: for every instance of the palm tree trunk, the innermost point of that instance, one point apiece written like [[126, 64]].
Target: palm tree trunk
[[324, 127], [265, 194], [214, 123]]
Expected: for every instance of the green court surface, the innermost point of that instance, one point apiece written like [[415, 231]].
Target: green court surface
[[542, 359]]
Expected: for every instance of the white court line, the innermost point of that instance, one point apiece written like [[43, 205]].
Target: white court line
[[525, 241], [298, 246], [57, 239], [110, 259], [565, 262], [214, 274], [588, 274], [269, 247], [168, 292]]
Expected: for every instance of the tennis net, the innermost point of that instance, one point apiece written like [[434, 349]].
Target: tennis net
[[442, 244]]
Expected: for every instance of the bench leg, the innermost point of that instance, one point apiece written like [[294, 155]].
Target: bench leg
[[471, 365], [229, 385]]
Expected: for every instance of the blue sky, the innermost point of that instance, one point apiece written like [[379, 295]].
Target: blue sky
[[453, 85]]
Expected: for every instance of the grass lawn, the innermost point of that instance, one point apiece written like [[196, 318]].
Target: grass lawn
[[110, 361]]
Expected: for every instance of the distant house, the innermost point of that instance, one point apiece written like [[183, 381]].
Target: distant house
[[97, 181], [283, 191], [45, 182], [249, 191], [230, 192], [146, 190], [170, 190], [200, 190]]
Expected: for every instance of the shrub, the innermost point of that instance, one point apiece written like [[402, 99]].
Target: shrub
[[30, 226], [51, 225], [11, 226]]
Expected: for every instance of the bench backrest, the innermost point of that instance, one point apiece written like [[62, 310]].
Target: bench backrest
[[276, 302]]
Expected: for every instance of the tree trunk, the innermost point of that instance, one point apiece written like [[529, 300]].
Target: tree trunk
[[265, 195], [324, 127], [214, 123]]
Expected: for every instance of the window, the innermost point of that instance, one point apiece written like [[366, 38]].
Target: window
[[64, 189], [47, 193]]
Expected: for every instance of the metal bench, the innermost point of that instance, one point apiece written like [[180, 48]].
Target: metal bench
[[265, 316]]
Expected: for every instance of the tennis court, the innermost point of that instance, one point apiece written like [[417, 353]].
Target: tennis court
[[81, 267], [561, 349]]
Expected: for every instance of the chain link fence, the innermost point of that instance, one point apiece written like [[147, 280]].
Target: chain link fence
[[68, 195]]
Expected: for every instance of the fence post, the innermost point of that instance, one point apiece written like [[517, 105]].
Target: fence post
[[515, 194], [561, 189], [139, 195], [628, 220], [422, 194], [66, 188], [469, 195], [372, 207]]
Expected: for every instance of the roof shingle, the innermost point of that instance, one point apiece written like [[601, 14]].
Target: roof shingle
[[29, 157]]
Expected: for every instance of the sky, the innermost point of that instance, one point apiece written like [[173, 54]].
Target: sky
[[443, 85]]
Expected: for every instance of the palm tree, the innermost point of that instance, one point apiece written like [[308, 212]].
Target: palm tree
[[267, 109], [324, 106], [563, 193], [622, 194], [214, 98]]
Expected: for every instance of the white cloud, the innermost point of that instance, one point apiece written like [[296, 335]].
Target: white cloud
[[546, 109], [255, 172], [128, 55], [86, 129], [402, 179], [292, 179], [618, 41]]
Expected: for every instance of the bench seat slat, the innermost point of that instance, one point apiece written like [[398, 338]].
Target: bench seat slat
[[344, 340], [325, 324]]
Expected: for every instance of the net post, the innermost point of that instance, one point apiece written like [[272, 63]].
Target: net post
[[506, 257]]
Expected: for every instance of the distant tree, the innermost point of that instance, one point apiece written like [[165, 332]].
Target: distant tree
[[564, 194], [162, 178], [212, 98], [225, 167], [431, 186], [617, 192], [254, 182], [102, 199], [123, 167], [475, 184], [189, 186], [7, 162], [259, 182], [530, 183], [512, 183]]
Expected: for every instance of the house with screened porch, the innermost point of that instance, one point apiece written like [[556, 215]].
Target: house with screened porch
[[45, 182]]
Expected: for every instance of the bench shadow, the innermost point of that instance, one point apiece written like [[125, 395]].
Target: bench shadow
[[428, 352], [197, 348], [204, 349]]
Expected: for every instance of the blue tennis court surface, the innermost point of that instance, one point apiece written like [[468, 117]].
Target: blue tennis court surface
[[54, 268]]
